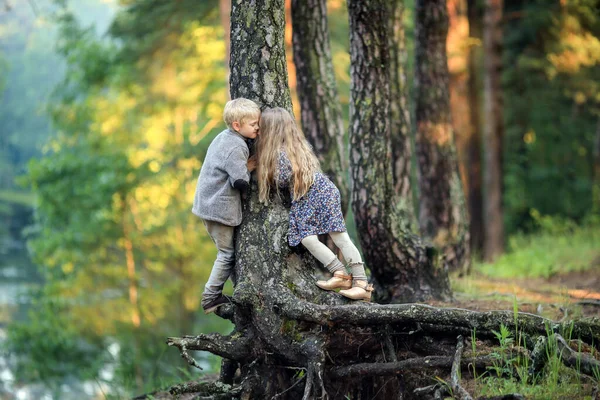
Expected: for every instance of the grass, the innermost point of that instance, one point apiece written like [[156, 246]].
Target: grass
[[510, 372], [559, 246]]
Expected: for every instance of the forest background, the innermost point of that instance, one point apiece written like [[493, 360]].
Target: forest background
[[108, 108]]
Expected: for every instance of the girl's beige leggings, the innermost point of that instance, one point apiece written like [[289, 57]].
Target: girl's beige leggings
[[344, 243]]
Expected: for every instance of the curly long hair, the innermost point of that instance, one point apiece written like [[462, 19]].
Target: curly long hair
[[279, 131]]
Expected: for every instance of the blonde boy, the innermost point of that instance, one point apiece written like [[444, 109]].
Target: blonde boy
[[224, 174]]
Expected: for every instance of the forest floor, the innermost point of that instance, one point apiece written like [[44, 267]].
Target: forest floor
[[568, 295], [562, 296]]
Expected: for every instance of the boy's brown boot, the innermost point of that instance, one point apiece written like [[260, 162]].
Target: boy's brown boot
[[339, 280], [361, 290]]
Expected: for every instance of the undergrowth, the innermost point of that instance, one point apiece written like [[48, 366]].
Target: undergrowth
[[559, 245]]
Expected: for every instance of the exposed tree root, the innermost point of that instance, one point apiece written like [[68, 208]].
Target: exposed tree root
[[400, 367], [381, 314], [230, 347], [459, 392], [320, 330], [207, 390], [579, 361]]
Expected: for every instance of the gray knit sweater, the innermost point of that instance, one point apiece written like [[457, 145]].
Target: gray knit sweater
[[216, 199]]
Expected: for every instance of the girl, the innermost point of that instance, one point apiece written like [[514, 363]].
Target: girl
[[285, 159]]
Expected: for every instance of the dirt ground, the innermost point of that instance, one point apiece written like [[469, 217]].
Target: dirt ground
[[570, 295]]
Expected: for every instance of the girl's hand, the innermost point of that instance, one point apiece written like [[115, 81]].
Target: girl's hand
[[251, 164]]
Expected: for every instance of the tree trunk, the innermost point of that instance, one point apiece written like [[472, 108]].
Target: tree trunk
[[473, 145], [400, 120], [493, 131], [443, 216], [402, 268], [596, 172], [320, 108], [224, 13], [258, 64], [457, 51]]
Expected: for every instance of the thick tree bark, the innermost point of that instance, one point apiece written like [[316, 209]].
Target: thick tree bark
[[493, 131], [321, 112], [443, 216], [400, 120], [473, 146], [258, 64], [400, 264]]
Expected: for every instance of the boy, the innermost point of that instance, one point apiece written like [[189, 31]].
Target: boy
[[224, 174]]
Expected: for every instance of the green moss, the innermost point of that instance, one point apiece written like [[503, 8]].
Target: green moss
[[291, 286], [289, 326]]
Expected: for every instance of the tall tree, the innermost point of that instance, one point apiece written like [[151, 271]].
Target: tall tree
[[321, 112], [400, 119], [493, 130], [443, 216], [473, 145], [596, 171], [224, 10], [396, 258], [258, 64]]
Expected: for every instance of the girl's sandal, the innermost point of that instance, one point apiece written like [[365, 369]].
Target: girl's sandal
[[339, 280], [361, 290]]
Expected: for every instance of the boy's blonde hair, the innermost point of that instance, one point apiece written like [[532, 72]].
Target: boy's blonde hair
[[279, 131], [240, 110]]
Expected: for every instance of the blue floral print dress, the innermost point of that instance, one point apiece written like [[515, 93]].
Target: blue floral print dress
[[318, 212]]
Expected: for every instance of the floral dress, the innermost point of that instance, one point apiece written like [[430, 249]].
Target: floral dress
[[318, 212]]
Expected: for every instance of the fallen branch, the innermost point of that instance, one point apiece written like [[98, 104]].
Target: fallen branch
[[458, 391]]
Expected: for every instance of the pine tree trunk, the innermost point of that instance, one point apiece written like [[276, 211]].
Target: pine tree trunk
[[258, 64], [596, 172], [493, 131], [224, 10], [443, 217], [399, 263], [400, 119], [321, 112], [474, 193]]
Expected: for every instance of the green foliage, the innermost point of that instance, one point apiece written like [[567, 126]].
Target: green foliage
[[510, 371], [114, 235], [558, 246], [552, 106], [44, 347]]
